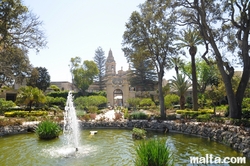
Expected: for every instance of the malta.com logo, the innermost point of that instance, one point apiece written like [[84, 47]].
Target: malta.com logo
[[210, 159]]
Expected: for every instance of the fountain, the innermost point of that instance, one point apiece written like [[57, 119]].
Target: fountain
[[70, 128]]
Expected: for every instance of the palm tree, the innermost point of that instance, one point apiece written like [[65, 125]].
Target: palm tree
[[180, 85], [191, 38], [176, 62], [28, 95]]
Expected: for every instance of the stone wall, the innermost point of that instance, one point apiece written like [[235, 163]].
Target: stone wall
[[234, 136]]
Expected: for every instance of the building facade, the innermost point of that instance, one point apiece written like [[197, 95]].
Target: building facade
[[117, 84]]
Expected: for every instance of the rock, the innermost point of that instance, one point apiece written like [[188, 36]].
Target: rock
[[93, 132]]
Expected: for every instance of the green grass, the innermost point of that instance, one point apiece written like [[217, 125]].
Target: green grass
[[153, 152]]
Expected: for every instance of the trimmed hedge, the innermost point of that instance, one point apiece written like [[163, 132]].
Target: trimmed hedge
[[192, 114], [138, 115], [25, 113]]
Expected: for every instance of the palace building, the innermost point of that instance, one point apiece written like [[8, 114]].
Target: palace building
[[117, 84]]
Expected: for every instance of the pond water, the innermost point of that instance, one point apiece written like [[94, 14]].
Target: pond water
[[106, 148]]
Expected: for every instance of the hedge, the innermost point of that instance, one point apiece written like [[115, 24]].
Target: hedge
[[189, 113], [25, 113]]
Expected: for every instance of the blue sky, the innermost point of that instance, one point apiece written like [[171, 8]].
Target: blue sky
[[78, 28]]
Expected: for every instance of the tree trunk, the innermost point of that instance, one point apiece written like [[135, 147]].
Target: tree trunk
[[192, 52], [30, 105], [161, 97], [234, 111], [176, 70], [182, 102], [245, 75]]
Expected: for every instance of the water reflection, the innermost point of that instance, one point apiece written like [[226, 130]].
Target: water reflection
[[107, 147]]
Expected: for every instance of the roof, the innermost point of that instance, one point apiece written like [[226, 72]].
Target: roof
[[110, 57]]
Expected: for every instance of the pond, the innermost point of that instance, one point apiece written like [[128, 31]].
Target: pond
[[109, 147]]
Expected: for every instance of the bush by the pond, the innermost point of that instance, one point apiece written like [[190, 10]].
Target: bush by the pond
[[193, 114], [153, 152], [203, 117], [25, 113], [138, 133], [48, 130], [126, 114], [138, 115]]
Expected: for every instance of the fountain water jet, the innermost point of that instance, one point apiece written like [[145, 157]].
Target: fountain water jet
[[71, 127]]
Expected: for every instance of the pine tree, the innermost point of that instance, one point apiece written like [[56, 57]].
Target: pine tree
[[100, 60]]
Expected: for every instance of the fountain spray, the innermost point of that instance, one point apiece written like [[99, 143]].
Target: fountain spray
[[71, 128]]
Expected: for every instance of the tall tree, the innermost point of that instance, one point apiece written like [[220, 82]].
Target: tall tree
[[20, 30], [83, 75], [19, 27], [74, 64], [100, 60], [43, 81], [14, 66], [141, 73], [39, 78], [177, 62], [191, 38], [33, 78], [225, 27], [153, 31]]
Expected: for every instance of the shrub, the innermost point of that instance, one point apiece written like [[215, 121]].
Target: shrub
[[5, 105], [59, 101], [221, 108], [86, 117], [92, 109], [246, 113], [126, 114], [97, 100], [170, 100], [138, 115], [146, 102], [55, 94], [25, 113], [138, 133], [246, 103], [48, 130], [133, 102], [203, 117], [153, 152], [85, 102], [193, 114]]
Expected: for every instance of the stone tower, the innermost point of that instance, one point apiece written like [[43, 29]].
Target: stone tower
[[117, 85], [110, 65]]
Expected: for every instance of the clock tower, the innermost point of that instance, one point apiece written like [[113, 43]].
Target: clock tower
[[117, 85]]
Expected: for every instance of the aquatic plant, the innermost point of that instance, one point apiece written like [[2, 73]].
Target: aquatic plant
[[138, 133], [48, 130], [153, 152]]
